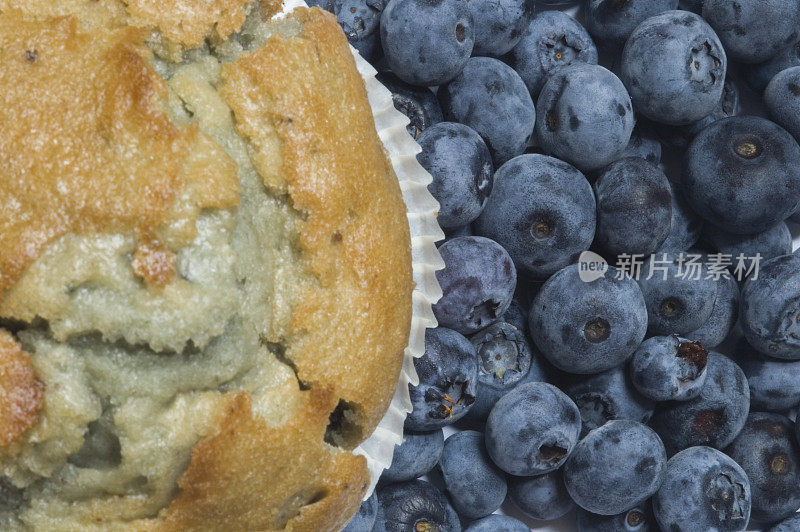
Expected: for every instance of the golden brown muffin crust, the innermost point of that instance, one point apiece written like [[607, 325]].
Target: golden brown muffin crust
[[21, 395], [307, 92], [86, 143]]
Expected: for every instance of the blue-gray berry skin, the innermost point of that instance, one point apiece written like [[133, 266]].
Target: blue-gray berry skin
[[427, 42], [419, 104], [542, 210], [364, 519], [615, 467], [685, 226], [361, 21], [674, 68], [703, 490], [491, 98], [758, 76], [714, 417], [782, 97], [542, 497], [611, 22], [497, 523], [448, 374], [637, 519], [723, 317], [607, 396], [505, 359], [634, 207], [770, 243], [753, 32], [679, 296], [588, 327], [476, 486], [499, 24], [645, 145], [462, 171], [774, 384], [790, 524], [742, 174], [552, 41], [532, 429], [415, 456], [414, 505], [769, 308], [669, 368], [767, 451], [585, 116], [478, 283]]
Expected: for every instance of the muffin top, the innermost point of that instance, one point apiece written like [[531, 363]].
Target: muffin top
[[205, 268]]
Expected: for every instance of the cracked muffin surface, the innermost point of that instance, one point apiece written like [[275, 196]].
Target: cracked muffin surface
[[205, 268]]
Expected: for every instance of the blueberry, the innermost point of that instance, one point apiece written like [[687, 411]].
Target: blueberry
[[753, 32], [615, 467], [758, 76], [703, 490], [448, 374], [674, 67], [743, 174], [364, 519], [552, 41], [497, 523], [774, 384], [532, 429], [713, 418], [499, 24], [478, 283], [782, 98], [770, 308], [415, 456], [416, 505], [611, 22], [767, 451], [542, 211], [361, 20], [790, 524], [542, 497], [491, 98], [770, 243], [427, 42], [585, 116], [637, 519], [419, 104], [462, 171], [588, 327], [608, 396], [643, 144], [634, 207], [504, 360], [669, 368], [723, 316], [476, 486], [678, 292], [684, 228]]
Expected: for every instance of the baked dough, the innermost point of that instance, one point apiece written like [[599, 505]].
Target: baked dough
[[205, 268]]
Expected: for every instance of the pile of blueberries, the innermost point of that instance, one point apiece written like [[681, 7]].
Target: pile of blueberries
[[562, 149]]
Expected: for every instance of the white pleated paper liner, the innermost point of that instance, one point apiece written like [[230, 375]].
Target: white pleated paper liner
[[425, 232]]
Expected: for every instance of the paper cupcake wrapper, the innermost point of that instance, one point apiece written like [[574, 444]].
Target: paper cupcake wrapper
[[425, 232]]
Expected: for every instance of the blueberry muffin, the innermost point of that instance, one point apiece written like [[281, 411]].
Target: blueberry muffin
[[205, 268]]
